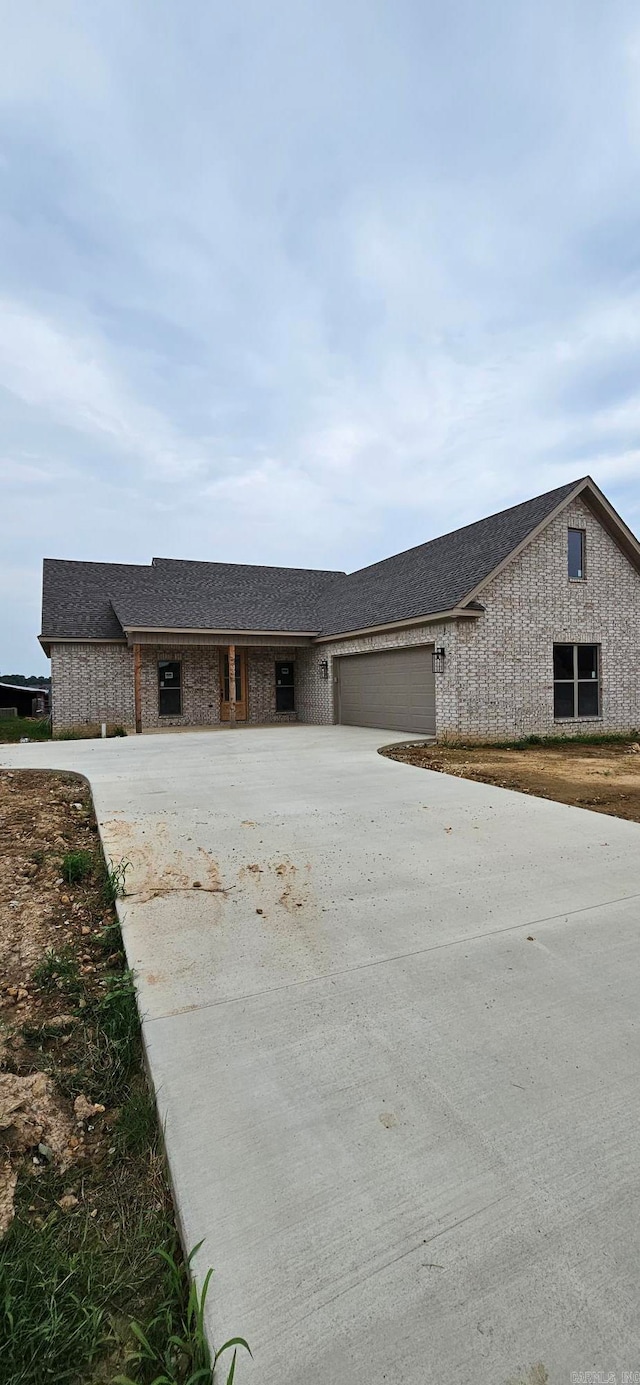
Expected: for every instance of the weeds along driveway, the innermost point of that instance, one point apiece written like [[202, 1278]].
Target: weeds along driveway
[[392, 1020]]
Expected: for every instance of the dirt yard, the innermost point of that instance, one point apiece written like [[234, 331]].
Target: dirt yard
[[604, 778], [84, 1199]]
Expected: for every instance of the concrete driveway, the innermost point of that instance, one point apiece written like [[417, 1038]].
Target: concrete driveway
[[392, 1019]]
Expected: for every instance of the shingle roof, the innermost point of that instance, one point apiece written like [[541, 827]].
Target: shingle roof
[[434, 576], [76, 597], [83, 600], [226, 596]]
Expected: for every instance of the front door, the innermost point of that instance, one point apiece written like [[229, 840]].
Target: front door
[[241, 685]]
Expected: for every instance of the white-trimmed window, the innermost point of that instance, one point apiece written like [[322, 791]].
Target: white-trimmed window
[[576, 681]]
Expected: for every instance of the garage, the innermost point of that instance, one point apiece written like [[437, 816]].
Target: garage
[[394, 690]]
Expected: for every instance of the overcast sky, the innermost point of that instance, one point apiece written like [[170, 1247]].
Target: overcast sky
[[311, 281]]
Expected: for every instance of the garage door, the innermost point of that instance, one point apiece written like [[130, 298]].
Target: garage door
[[394, 690]]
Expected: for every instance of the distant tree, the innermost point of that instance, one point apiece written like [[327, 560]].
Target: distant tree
[[37, 681]]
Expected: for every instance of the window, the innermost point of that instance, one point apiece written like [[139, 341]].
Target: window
[[575, 551], [576, 680], [285, 690], [169, 688]]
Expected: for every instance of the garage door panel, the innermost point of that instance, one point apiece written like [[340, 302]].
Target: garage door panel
[[392, 689]]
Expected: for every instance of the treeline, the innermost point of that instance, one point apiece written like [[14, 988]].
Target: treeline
[[36, 682]]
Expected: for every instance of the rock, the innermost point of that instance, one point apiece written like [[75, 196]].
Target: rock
[[8, 1180], [68, 1202], [61, 1022], [85, 1110], [31, 1117]]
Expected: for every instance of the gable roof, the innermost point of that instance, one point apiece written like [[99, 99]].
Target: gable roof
[[437, 575], [103, 601], [77, 597]]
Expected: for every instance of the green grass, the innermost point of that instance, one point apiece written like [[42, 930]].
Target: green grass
[[58, 970], [527, 742], [69, 1282], [114, 880], [185, 1349], [12, 728], [75, 1287], [136, 1123], [76, 865]]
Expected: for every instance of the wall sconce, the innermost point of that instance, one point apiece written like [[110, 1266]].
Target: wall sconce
[[323, 668], [437, 660]]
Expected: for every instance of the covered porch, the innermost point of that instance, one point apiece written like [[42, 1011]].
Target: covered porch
[[246, 680]]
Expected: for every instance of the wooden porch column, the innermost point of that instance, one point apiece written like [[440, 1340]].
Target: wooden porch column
[[232, 683], [137, 687]]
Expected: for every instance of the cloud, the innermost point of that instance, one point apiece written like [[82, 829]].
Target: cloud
[[67, 377], [310, 286]]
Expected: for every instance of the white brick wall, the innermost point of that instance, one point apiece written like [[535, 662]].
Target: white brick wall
[[498, 679], [200, 684], [498, 676], [91, 683], [94, 682]]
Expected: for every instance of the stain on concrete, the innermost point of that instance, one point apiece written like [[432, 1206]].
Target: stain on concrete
[[533, 1375], [157, 868]]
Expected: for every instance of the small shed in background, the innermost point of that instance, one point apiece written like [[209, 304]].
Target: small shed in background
[[16, 700]]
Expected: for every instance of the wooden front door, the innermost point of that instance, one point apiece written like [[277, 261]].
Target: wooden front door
[[241, 685]]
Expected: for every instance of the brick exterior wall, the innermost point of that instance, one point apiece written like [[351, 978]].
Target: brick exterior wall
[[262, 684], [94, 682], [498, 675], [91, 683], [498, 678], [316, 697], [200, 684]]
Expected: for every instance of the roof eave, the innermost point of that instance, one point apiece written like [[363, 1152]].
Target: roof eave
[[612, 521], [228, 632], [432, 618]]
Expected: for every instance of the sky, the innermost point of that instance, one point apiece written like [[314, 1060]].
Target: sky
[[308, 283]]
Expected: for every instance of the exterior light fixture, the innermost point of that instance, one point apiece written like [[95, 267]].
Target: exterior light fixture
[[437, 660], [323, 668]]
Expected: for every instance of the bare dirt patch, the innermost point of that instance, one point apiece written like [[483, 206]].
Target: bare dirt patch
[[84, 1197], [604, 778]]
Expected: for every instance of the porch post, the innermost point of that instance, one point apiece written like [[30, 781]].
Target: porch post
[[137, 693], [232, 683]]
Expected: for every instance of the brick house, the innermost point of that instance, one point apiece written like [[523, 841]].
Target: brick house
[[528, 621]]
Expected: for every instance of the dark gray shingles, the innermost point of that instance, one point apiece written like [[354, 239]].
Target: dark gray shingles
[[96, 600], [77, 597], [227, 596], [436, 575]]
